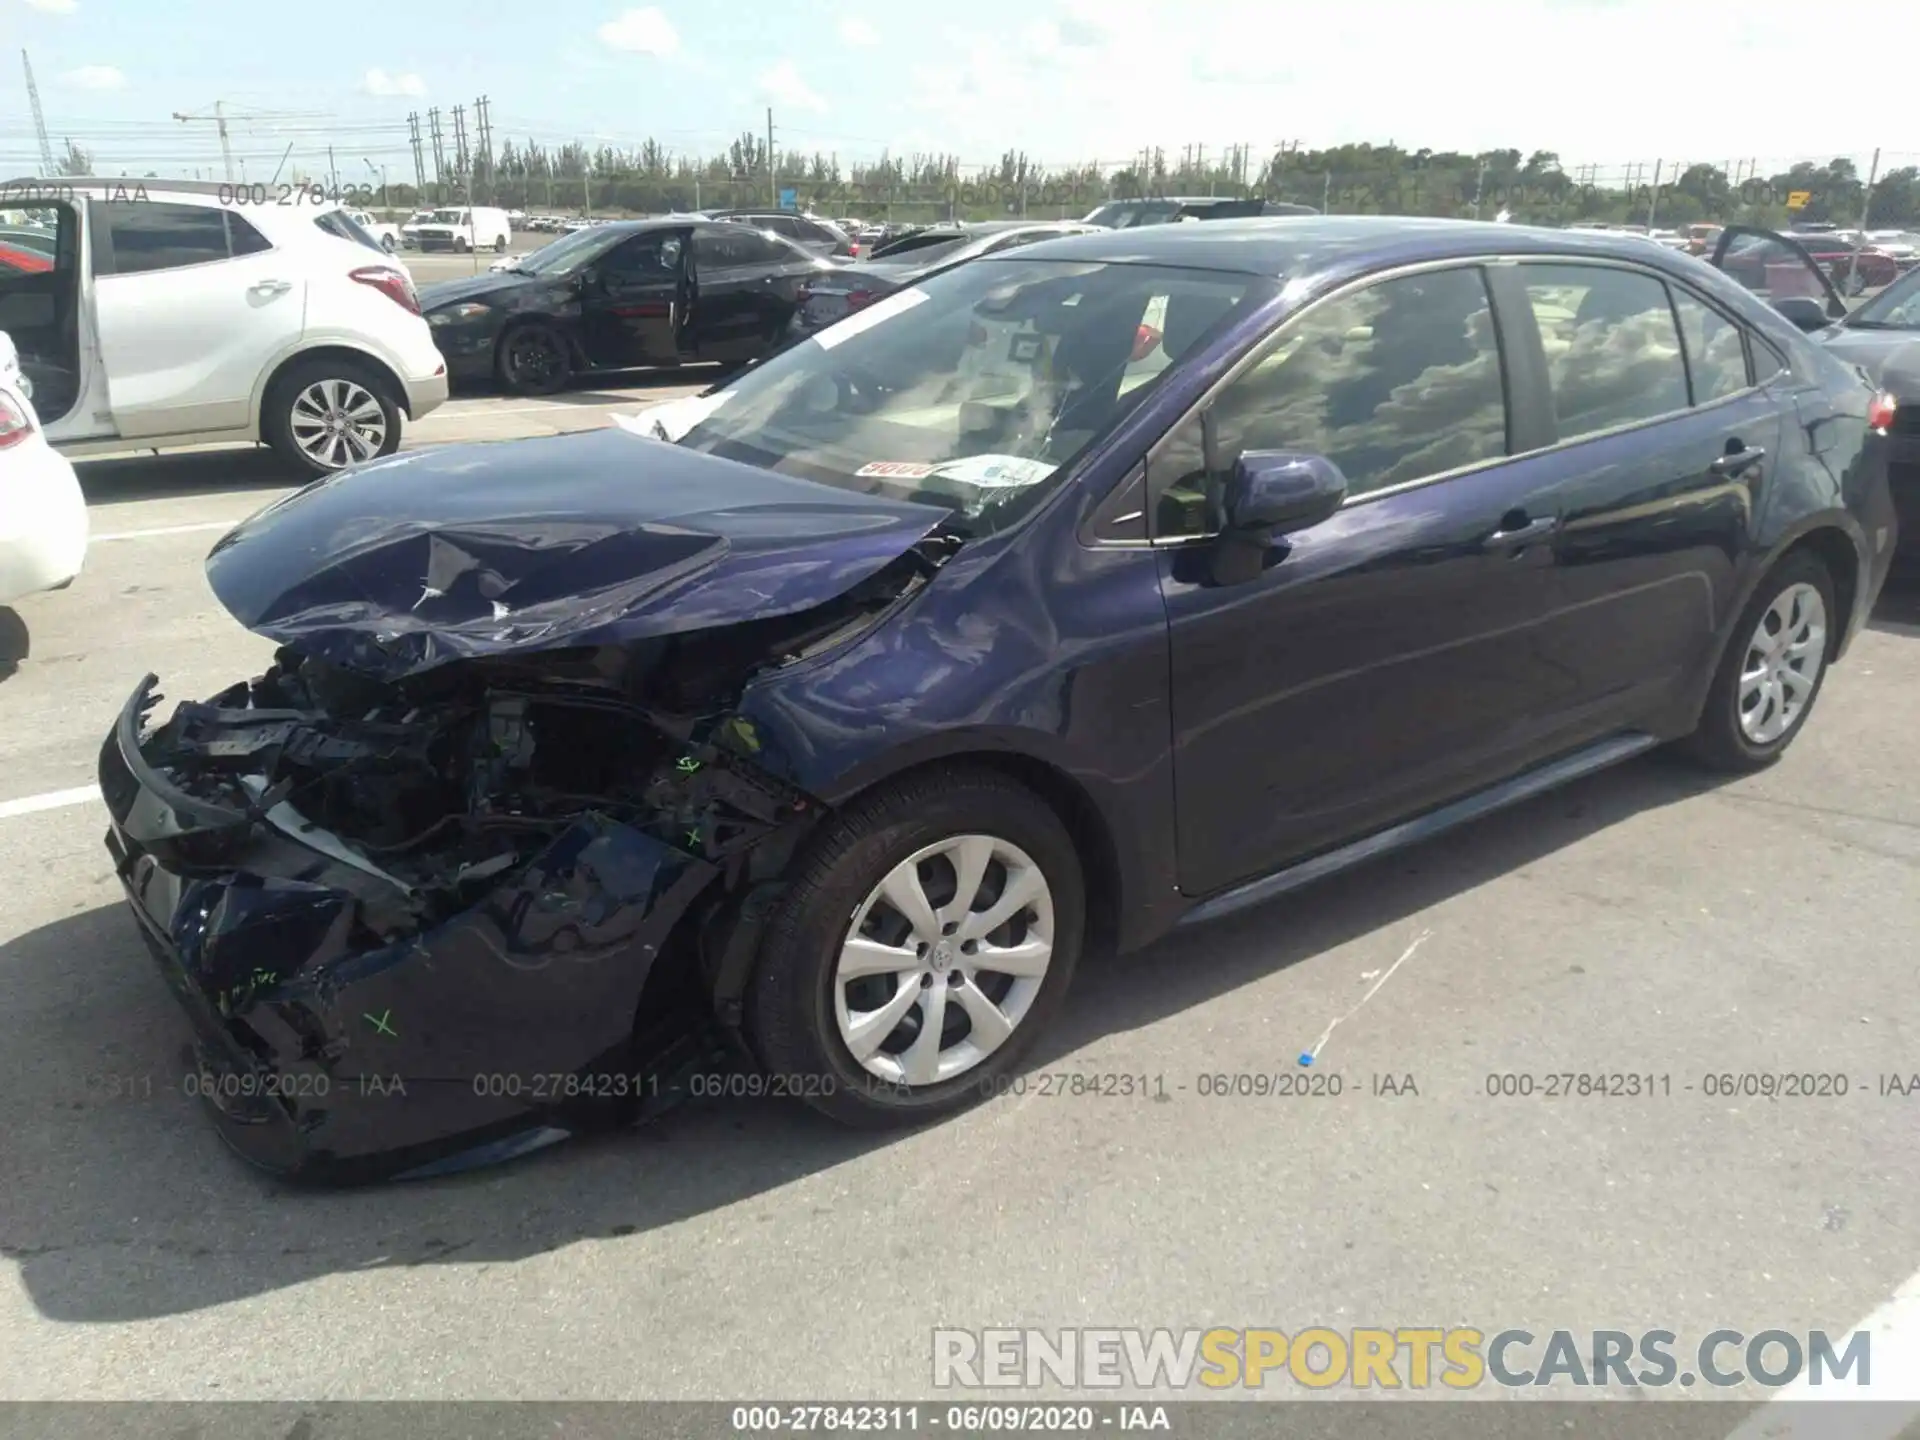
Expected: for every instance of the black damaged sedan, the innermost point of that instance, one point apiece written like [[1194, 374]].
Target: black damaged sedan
[[622, 296], [824, 719]]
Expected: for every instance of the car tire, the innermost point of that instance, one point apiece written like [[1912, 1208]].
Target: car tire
[[1754, 709], [499, 246], [386, 244], [533, 359], [803, 1011], [460, 246], [299, 413]]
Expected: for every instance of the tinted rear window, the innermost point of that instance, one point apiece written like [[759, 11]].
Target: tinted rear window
[[340, 225]]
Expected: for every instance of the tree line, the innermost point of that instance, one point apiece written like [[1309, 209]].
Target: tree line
[[1347, 179]]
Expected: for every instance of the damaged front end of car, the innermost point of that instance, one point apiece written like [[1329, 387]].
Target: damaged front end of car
[[429, 917]]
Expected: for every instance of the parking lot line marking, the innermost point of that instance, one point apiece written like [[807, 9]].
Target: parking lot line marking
[[204, 525], [51, 800], [1895, 1383]]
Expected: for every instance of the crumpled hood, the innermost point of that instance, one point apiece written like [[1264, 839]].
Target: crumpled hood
[[593, 538]]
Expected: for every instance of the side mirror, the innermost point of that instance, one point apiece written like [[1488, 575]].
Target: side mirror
[[1805, 312], [1272, 492]]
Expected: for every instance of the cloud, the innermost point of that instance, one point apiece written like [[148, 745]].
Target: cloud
[[379, 82], [643, 32], [95, 77], [855, 31], [783, 84], [54, 7]]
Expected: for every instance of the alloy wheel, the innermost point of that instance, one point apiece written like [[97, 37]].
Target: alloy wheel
[[533, 358], [1782, 663], [943, 960], [338, 423]]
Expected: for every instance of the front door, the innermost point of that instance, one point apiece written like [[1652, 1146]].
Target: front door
[[633, 301], [1390, 658], [192, 303], [1781, 272], [45, 305]]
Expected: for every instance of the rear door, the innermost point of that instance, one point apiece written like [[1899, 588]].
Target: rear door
[[191, 303], [744, 285], [1659, 440]]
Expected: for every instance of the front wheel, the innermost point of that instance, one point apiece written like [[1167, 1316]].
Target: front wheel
[[460, 245], [386, 244], [1772, 671], [324, 415], [533, 360], [929, 936]]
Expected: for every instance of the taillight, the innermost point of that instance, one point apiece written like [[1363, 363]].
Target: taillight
[[396, 285], [15, 423], [1880, 412], [859, 299], [1145, 340]]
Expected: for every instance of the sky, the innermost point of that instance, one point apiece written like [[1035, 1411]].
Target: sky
[[1601, 82]]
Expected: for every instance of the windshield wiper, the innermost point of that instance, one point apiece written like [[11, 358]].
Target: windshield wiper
[[1854, 324]]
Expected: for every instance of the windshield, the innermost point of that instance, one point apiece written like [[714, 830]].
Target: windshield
[[574, 248], [448, 217], [1895, 308], [973, 390], [1127, 213]]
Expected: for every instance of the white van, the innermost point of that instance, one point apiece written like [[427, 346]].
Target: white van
[[481, 227], [169, 313]]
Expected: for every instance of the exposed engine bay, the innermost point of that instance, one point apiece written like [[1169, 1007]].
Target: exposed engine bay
[[519, 872]]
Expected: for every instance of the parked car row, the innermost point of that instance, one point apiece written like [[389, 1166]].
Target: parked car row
[[833, 716]]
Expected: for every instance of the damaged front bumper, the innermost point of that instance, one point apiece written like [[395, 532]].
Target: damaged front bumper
[[365, 1011]]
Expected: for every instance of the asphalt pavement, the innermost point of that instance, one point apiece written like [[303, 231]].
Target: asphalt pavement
[[1644, 921]]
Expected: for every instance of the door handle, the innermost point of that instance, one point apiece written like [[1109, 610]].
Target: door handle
[[1517, 529], [1735, 461], [270, 287]]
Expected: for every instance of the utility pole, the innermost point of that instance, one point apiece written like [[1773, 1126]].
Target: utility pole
[[219, 118], [1866, 209], [419, 165], [439, 151], [461, 169], [773, 172], [39, 120], [1326, 195], [1653, 202], [381, 171], [486, 143], [333, 174]]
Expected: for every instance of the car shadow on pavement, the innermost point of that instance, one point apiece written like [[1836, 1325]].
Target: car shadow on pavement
[[15, 643], [185, 473], [121, 1204]]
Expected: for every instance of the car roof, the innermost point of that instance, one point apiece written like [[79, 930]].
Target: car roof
[[1285, 246]]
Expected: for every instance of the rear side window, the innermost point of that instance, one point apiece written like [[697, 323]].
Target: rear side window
[[1716, 350], [1394, 383], [342, 226], [242, 238], [763, 249], [1613, 348], [148, 235]]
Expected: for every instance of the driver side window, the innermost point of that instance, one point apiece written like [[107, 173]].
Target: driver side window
[[1393, 383], [644, 258]]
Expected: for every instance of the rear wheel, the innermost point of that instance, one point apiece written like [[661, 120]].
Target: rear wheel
[[533, 359], [928, 938], [324, 415], [500, 245], [1773, 670]]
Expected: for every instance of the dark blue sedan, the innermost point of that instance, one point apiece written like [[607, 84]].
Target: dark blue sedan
[[832, 717]]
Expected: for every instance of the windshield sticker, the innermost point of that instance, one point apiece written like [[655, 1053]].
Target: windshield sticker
[[996, 471], [895, 470], [897, 303]]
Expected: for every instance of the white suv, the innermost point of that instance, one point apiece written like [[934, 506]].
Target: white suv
[[176, 313]]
